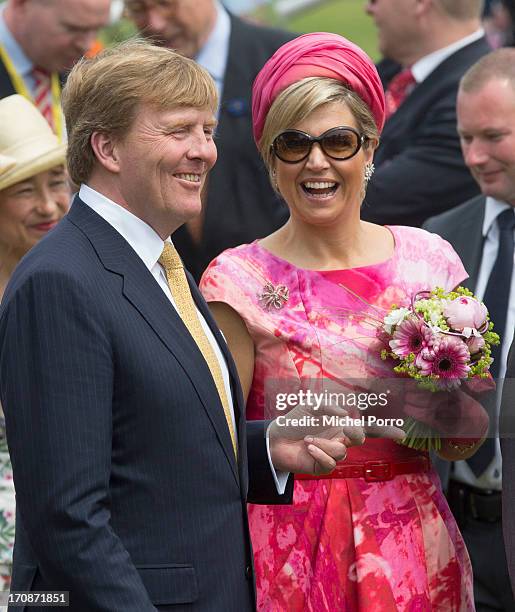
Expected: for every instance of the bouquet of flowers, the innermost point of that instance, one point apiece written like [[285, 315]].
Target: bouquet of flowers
[[442, 339]]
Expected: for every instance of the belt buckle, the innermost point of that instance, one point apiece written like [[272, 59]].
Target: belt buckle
[[377, 471]]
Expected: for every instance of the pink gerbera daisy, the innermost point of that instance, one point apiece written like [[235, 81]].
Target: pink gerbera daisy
[[448, 359], [411, 336]]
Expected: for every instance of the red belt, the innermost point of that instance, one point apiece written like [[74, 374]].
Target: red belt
[[374, 471]]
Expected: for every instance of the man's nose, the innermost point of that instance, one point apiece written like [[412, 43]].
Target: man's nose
[[475, 154], [203, 148]]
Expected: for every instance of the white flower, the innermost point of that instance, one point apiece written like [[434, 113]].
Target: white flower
[[468, 331], [395, 317]]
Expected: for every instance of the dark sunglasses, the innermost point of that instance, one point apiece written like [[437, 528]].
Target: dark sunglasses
[[340, 143]]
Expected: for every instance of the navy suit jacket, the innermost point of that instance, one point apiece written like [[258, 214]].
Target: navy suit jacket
[[507, 430], [241, 204], [128, 492], [463, 228], [420, 170]]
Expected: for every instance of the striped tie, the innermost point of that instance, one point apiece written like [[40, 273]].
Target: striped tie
[[43, 94]]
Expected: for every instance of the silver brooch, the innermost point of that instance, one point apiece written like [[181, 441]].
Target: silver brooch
[[274, 297]]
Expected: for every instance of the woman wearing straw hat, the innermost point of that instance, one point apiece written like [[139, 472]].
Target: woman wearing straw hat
[[296, 308], [34, 196]]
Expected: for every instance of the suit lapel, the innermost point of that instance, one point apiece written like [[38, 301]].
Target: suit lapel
[[237, 395], [143, 292], [467, 239]]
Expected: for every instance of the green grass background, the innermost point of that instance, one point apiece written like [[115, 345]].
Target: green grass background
[[345, 17]]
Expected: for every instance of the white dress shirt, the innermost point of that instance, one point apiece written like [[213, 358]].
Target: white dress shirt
[[214, 54], [426, 65], [148, 246], [491, 477]]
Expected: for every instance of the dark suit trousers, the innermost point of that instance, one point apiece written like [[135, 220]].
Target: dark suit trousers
[[492, 588]]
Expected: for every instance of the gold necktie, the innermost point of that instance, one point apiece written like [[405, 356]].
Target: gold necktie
[[181, 294]]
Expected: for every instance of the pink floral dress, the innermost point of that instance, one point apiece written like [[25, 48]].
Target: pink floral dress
[[345, 544]]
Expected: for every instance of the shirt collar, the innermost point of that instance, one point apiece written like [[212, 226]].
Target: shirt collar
[[425, 66], [493, 209], [213, 55], [141, 237], [21, 62]]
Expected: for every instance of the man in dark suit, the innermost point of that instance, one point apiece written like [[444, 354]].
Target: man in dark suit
[[124, 414], [508, 463], [39, 41], [239, 204], [482, 232], [419, 167]]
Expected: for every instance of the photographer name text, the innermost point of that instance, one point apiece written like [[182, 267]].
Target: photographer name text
[[336, 421]]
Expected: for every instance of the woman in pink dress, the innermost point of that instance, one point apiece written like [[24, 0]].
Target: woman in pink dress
[[296, 307]]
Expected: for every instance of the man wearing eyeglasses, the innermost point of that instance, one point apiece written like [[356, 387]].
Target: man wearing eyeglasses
[[419, 166], [233, 51], [39, 40]]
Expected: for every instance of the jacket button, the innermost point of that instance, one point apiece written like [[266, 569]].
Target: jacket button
[[248, 572]]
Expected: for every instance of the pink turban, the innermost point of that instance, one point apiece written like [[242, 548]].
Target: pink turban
[[318, 54]]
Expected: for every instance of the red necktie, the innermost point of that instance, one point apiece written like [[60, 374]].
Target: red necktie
[[43, 94], [398, 89]]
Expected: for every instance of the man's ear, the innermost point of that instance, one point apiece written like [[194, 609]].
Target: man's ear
[[423, 6], [104, 148]]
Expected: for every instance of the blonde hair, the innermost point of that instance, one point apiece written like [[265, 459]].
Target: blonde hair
[[103, 94], [499, 64], [299, 100]]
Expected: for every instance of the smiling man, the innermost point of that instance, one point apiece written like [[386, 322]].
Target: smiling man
[[482, 232], [233, 51], [39, 40], [124, 413]]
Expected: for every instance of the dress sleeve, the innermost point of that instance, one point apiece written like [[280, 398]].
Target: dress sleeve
[[219, 283], [229, 278]]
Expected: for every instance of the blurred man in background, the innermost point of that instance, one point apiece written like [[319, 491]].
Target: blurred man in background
[[239, 204], [419, 166], [39, 40], [482, 233]]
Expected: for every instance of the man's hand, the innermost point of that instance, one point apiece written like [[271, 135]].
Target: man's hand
[[303, 441]]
